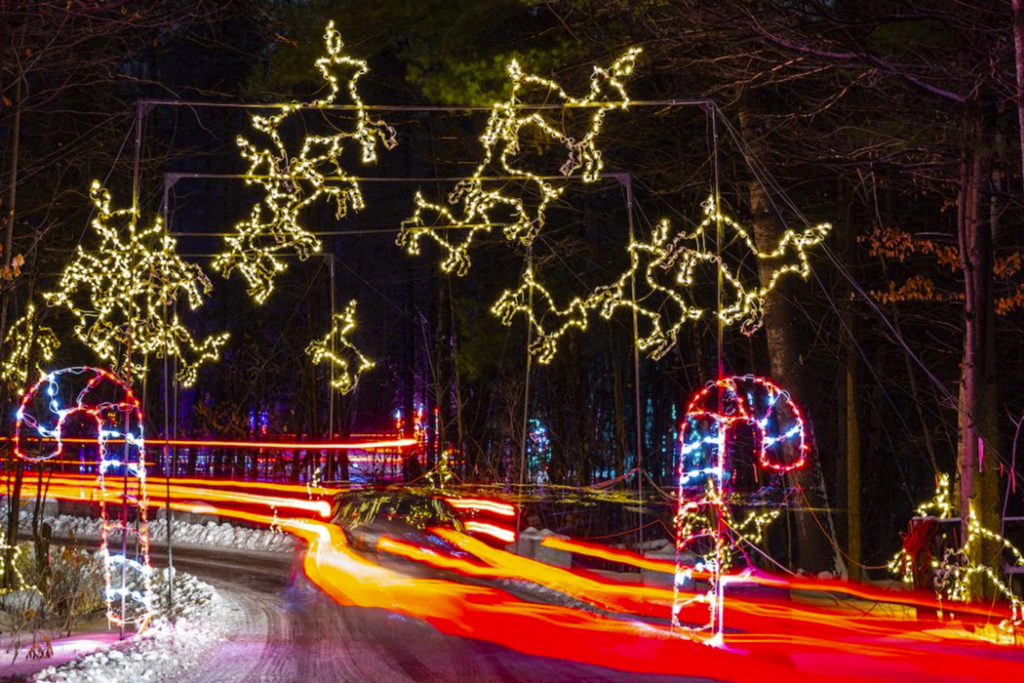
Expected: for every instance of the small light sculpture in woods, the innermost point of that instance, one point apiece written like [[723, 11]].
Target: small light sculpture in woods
[[294, 180], [477, 209], [727, 413], [21, 338], [953, 572], [119, 293], [336, 349], [56, 401]]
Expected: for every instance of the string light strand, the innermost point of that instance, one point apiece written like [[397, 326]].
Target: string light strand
[[294, 181], [476, 208], [348, 361], [118, 294]]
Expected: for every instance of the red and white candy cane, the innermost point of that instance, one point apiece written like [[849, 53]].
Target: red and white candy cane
[[94, 395], [706, 472]]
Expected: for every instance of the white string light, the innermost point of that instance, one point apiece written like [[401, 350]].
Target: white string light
[[293, 182], [662, 308], [119, 293], [342, 354], [20, 339], [955, 571], [475, 206]]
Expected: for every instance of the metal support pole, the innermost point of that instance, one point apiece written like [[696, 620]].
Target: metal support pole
[[124, 494], [526, 387], [639, 463], [330, 386], [170, 453], [719, 625], [526, 403], [718, 240], [140, 111]]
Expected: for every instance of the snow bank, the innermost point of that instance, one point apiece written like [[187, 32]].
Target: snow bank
[[185, 533], [222, 535], [164, 649]]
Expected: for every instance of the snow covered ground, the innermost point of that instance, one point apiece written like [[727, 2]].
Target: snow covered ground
[[202, 616], [210, 534], [164, 649]]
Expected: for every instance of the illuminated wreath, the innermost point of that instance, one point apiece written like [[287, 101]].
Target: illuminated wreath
[[101, 397]]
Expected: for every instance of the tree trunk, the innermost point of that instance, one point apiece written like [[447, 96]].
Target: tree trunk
[[441, 376], [783, 337], [978, 472], [1018, 53], [848, 471], [619, 391], [853, 460], [848, 468], [13, 508], [409, 373], [14, 491], [471, 464], [8, 238]]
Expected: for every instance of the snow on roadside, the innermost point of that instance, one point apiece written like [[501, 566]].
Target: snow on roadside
[[162, 650], [203, 617], [223, 535]]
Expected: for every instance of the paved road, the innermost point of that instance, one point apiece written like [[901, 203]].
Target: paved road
[[285, 629]]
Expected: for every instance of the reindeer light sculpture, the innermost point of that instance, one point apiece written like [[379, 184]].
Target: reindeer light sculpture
[[664, 273]]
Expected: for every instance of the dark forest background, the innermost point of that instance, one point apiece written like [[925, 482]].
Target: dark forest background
[[896, 121]]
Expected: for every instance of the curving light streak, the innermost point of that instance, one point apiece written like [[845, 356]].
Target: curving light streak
[[772, 637], [76, 479], [382, 444], [89, 488], [500, 533], [603, 552], [496, 507], [761, 614], [653, 601], [792, 641]]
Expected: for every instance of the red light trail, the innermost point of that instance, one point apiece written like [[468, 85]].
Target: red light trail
[[483, 504], [380, 444], [791, 642], [772, 636], [86, 488]]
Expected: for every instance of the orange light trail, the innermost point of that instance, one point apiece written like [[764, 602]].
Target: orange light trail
[[771, 637], [783, 650], [851, 589], [610, 554], [75, 488], [503, 534], [216, 483], [483, 504]]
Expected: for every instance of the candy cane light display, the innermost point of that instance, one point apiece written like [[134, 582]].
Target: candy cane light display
[[708, 468], [98, 397]]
